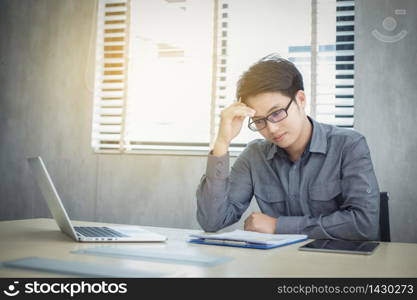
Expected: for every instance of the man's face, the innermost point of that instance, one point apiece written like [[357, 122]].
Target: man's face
[[286, 132]]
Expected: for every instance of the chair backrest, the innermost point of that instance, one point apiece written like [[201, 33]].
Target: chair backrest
[[384, 227]]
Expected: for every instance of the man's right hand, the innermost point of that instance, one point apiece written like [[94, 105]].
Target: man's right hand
[[231, 121]]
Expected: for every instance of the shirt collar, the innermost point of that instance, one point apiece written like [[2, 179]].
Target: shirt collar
[[318, 142]]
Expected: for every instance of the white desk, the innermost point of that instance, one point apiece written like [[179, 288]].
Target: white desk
[[42, 238]]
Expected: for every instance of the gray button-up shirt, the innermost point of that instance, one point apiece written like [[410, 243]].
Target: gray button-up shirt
[[331, 192]]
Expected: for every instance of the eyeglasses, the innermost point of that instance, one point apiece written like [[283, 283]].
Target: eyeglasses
[[273, 117]]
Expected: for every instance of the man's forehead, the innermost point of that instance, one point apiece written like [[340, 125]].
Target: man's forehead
[[266, 104], [269, 98]]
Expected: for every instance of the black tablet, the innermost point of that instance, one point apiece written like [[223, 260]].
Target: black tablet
[[337, 246]]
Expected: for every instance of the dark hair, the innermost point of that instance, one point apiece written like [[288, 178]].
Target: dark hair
[[270, 74]]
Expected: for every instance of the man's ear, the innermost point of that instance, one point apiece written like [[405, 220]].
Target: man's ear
[[300, 98]]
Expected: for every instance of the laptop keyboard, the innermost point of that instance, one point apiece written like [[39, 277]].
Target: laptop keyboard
[[99, 232]]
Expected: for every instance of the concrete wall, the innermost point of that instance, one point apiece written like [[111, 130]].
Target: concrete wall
[[386, 105], [46, 108]]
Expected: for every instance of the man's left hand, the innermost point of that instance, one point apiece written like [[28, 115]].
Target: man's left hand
[[260, 222]]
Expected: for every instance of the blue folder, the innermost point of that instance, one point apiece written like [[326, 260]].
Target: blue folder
[[243, 244]]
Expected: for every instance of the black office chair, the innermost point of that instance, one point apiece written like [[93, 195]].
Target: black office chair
[[384, 228]]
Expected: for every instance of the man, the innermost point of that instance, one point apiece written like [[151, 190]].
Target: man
[[307, 177]]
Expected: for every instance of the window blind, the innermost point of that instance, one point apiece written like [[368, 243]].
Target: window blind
[[335, 62], [223, 84], [327, 64], [345, 61], [110, 86]]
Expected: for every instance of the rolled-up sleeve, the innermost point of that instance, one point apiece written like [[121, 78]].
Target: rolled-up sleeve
[[223, 195], [358, 215]]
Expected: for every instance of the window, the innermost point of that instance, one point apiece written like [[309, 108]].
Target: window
[[166, 68]]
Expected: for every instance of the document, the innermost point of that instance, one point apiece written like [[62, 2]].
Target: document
[[248, 239]]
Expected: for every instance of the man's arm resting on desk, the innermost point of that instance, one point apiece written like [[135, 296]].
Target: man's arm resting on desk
[[222, 198]]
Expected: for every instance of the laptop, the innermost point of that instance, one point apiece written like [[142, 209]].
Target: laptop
[[84, 233]]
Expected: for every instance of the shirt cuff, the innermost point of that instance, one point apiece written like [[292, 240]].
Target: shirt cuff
[[217, 166], [289, 225]]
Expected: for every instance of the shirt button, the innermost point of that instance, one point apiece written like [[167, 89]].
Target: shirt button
[[368, 190], [219, 164]]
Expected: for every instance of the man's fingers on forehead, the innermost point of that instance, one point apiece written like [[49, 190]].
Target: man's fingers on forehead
[[248, 110], [244, 111]]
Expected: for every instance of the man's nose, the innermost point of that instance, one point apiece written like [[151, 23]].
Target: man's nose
[[272, 127]]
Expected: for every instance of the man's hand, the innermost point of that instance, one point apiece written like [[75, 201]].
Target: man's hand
[[260, 222], [231, 121]]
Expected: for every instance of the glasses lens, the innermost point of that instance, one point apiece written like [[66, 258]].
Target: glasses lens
[[257, 125], [277, 116]]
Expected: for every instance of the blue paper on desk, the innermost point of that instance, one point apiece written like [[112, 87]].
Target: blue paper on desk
[[248, 239]]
